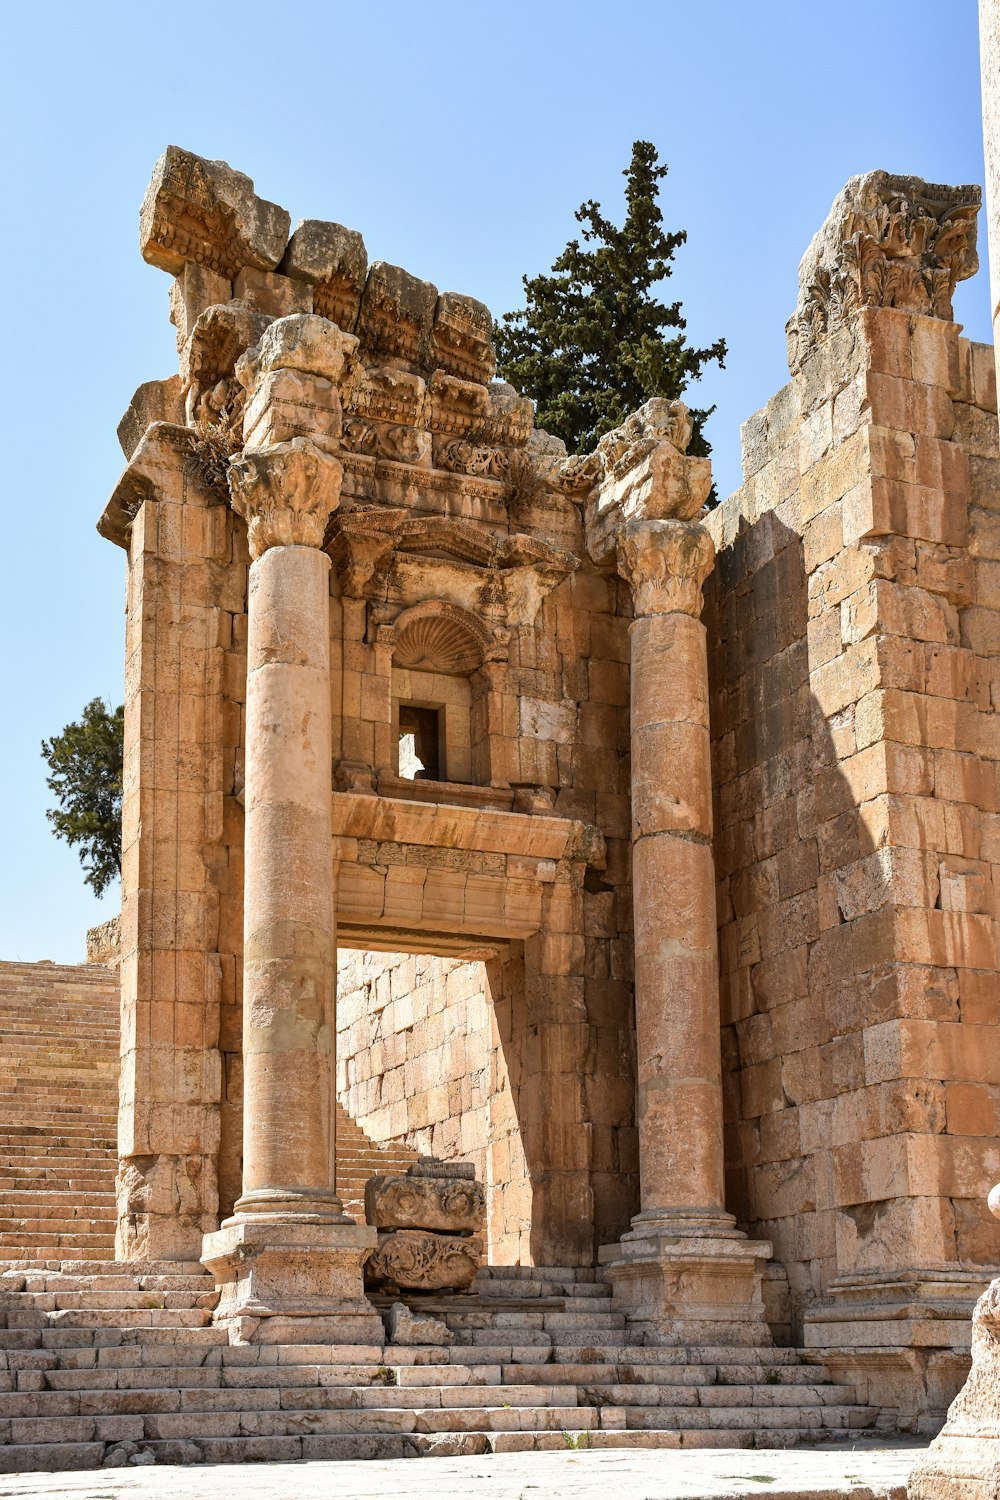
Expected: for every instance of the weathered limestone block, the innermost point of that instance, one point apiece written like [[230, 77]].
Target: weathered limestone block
[[154, 401], [204, 211], [302, 341], [643, 472], [421, 1260], [211, 353], [397, 311], [414, 1202], [462, 338], [335, 262], [888, 241], [406, 1327]]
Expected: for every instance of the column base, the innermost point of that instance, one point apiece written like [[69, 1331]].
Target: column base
[[900, 1338], [690, 1277], [284, 1280]]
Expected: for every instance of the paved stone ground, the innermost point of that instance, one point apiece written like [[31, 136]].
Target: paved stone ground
[[868, 1470]]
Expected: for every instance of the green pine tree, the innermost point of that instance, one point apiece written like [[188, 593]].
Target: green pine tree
[[592, 342], [86, 765]]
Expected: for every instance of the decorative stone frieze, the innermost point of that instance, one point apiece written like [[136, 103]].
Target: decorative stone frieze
[[888, 241], [665, 564]]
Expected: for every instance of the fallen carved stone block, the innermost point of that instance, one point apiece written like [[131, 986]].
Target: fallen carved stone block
[[428, 1262], [451, 1204]]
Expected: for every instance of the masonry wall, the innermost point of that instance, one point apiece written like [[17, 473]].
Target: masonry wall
[[854, 623], [423, 1047]]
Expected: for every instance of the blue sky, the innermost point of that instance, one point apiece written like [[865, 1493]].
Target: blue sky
[[458, 138]]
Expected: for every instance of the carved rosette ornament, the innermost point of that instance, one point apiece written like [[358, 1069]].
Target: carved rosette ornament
[[286, 494], [665, 564]]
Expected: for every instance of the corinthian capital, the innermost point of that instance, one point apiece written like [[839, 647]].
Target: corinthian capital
[[286, 494], [665, 563]]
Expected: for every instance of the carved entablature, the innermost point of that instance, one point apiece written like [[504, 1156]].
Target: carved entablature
[[204, 211], [888, 241], [412, 409], [393, 557]]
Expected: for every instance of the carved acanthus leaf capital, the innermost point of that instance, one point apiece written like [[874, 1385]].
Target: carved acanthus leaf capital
[[887, 241], [665, 564], [286, 494]]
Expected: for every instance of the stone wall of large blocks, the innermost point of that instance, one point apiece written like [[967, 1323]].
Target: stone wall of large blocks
[[854, 623], [423, 1048]]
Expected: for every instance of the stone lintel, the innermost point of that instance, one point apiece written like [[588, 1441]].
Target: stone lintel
[[357, 815]]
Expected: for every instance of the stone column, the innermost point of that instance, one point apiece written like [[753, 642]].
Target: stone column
[[683, 1271], [289, 1260], [683, 1268], [679, 1096]]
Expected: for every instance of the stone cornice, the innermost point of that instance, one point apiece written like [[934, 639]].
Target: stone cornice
[[665, 564]]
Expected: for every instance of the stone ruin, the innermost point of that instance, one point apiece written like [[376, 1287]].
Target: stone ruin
[[629, 868]]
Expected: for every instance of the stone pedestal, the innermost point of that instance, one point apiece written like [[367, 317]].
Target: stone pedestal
[[286, 1280], [683, 1271]]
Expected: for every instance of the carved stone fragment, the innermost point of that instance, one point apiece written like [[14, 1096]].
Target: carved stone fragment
[[335, 261], [407, 1328], [452, 1204], [206, 212], [887, 241], [397, 310], [429, 1262], [462, 338]]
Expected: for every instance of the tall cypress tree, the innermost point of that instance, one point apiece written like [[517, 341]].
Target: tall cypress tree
[[592, 342]]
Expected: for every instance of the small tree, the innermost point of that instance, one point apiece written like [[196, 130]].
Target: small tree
[[86, 765], [592, 342]]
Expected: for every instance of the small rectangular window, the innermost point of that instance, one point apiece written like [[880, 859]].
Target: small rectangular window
[[419, 743]]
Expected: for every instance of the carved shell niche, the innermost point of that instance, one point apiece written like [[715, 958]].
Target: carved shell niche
[[437, 643]]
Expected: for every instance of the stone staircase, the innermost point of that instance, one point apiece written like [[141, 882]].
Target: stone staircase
[[58, 1110], [58, 1116], [105, 1363], [102, 1364]]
